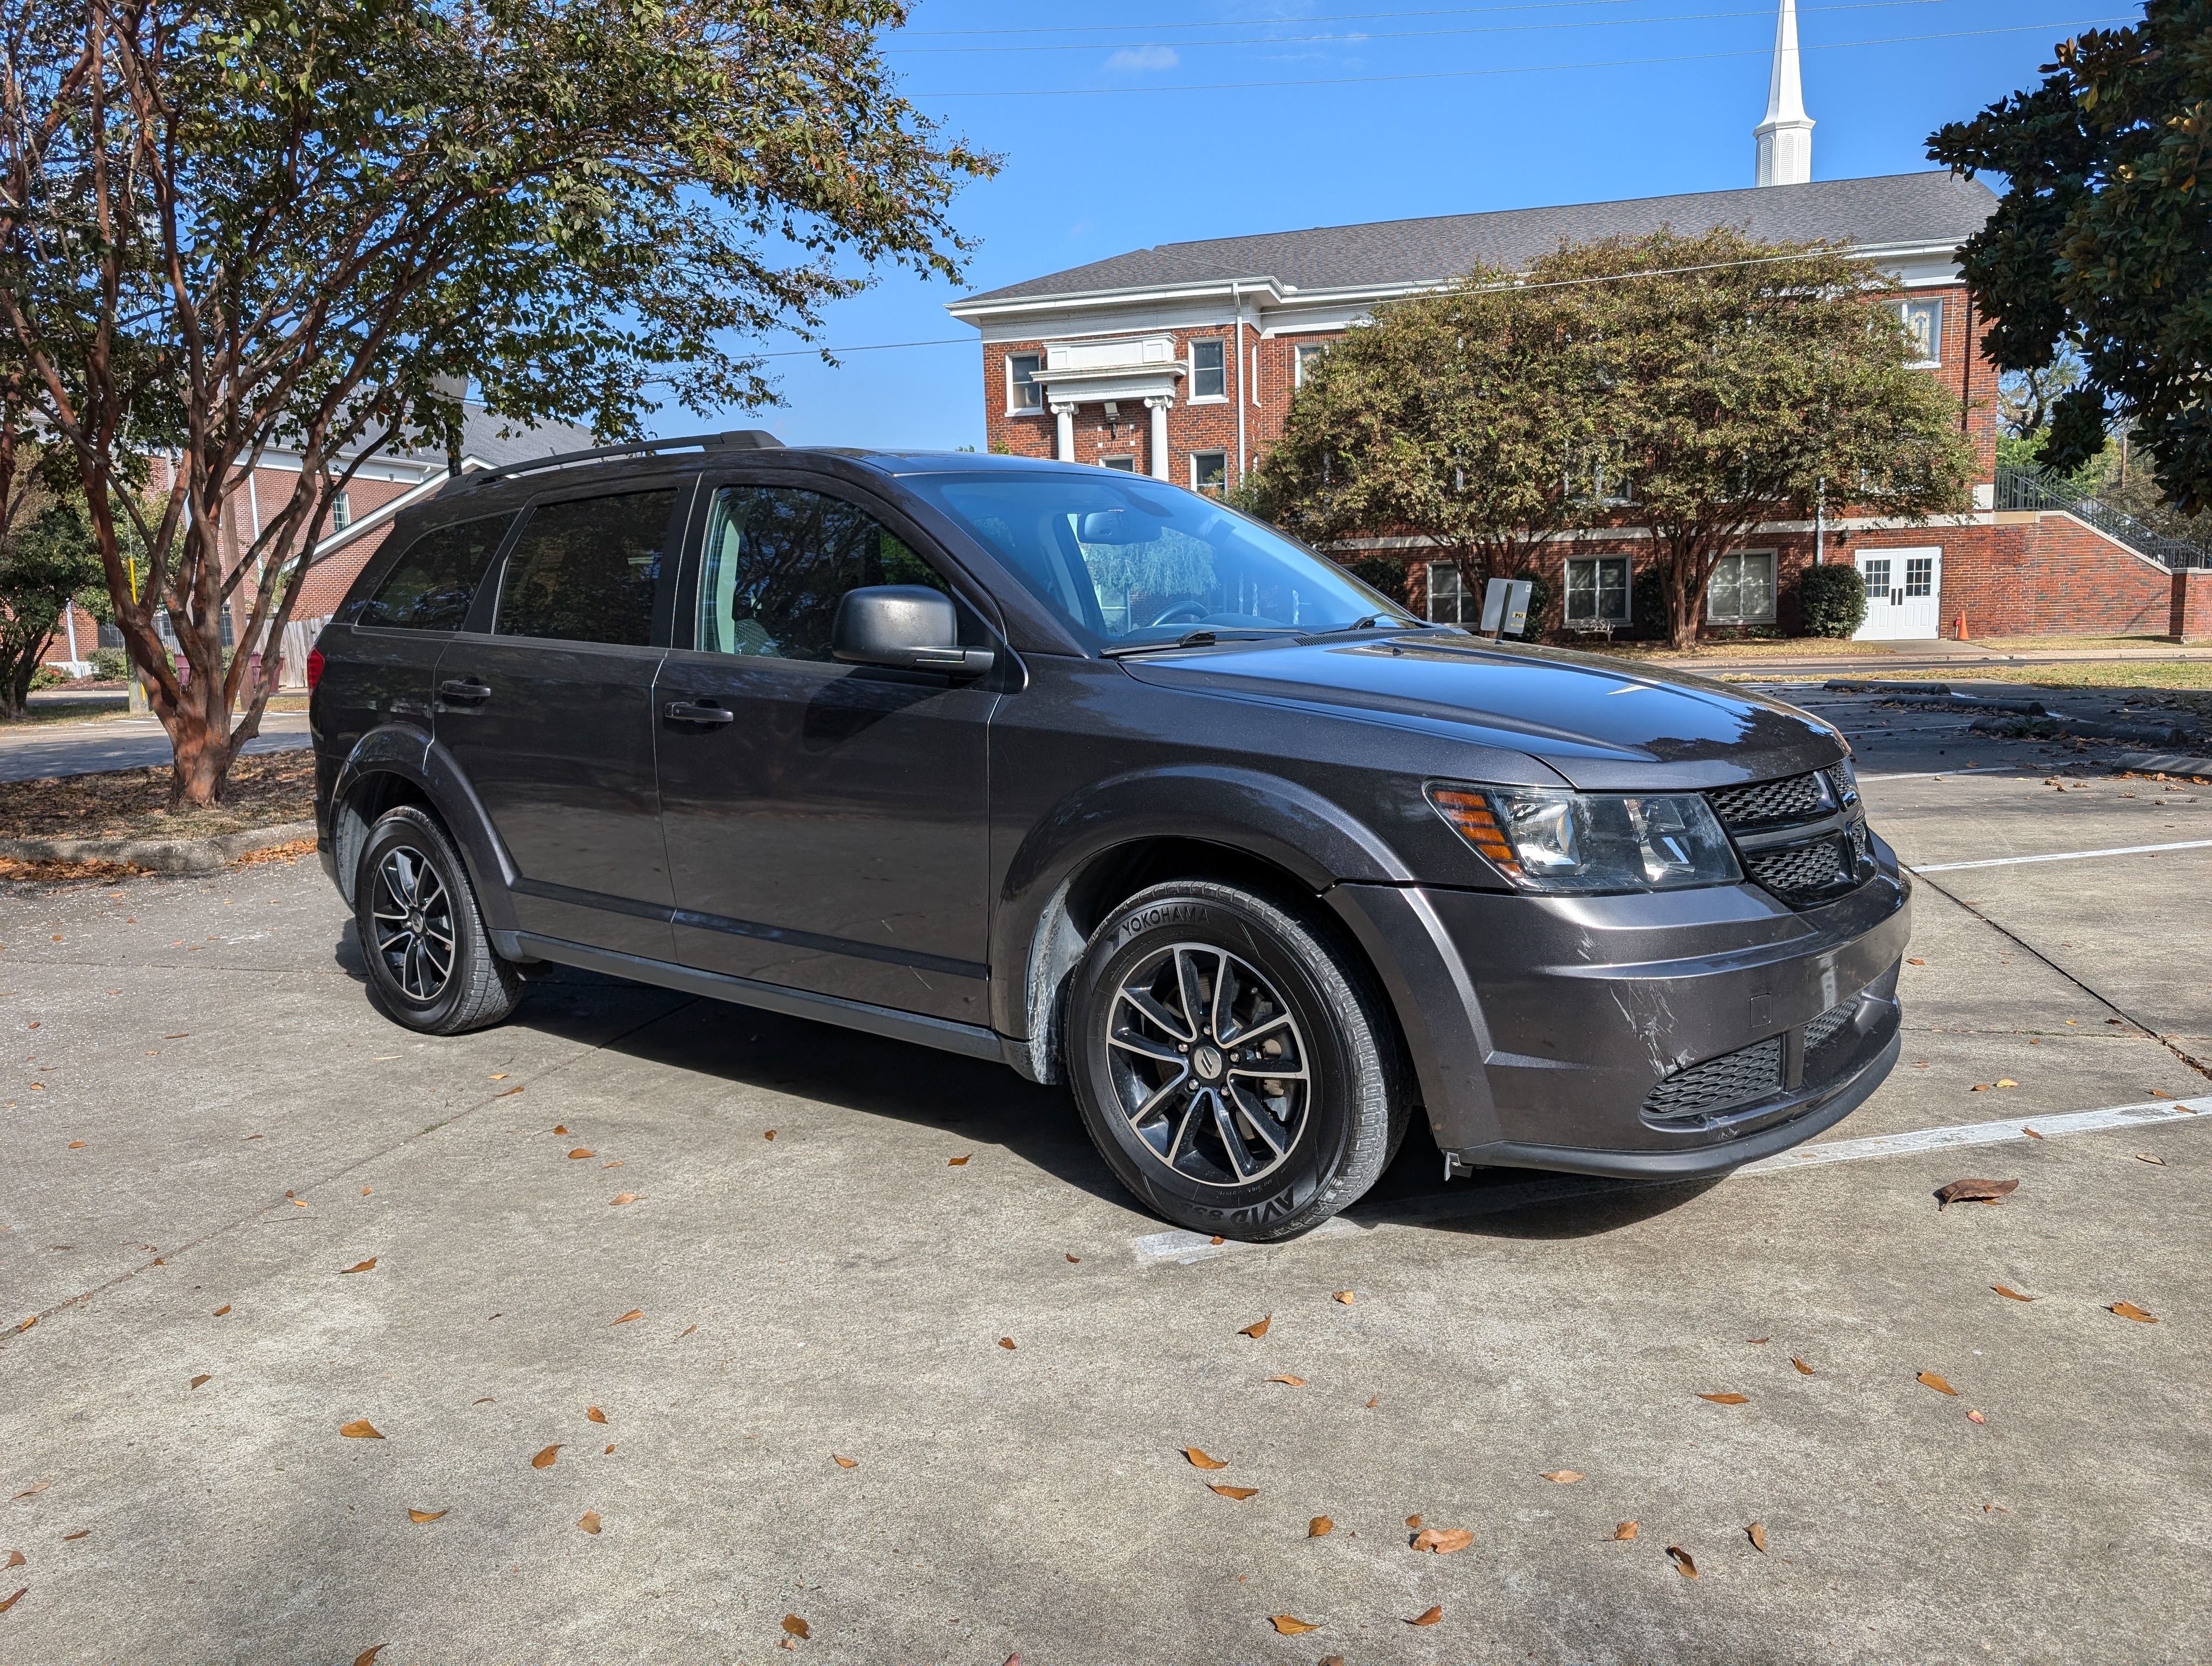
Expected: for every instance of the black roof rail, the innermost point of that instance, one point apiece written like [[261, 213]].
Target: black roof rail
[[742, 439]]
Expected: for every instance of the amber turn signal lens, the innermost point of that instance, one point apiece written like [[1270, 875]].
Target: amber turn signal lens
[[1471, 817]]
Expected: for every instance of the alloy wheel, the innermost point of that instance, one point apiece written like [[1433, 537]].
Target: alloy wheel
[[413, 912], [1208, 1064]]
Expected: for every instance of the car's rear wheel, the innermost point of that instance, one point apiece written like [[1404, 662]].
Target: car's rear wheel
[[1234, 1069], [431, 963]]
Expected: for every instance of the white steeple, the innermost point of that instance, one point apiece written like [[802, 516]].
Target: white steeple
[[1785, 137]]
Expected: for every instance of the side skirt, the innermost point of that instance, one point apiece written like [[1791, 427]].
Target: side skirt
[[972, 1040]]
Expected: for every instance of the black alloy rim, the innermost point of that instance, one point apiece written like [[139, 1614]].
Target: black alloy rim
[[412, 912]]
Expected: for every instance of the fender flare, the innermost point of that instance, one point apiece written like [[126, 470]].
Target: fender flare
[[403, 750]]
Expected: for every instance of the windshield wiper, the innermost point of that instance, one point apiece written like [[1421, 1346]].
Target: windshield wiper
[[1191, 639], [1371, 623]]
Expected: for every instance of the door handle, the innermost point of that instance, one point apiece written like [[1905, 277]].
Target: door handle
[[463, 691], [1897, 598], [697, 711]]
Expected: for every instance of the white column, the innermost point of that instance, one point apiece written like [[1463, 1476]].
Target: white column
[[1158, 407], [1064, 417]]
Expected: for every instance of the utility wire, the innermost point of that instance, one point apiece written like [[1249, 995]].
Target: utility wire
[[1253, 22], [1512, 70]]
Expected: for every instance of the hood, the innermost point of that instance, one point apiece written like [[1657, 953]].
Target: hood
[[1600, 723]]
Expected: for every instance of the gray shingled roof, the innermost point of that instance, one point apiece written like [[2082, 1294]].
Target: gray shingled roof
[[1900, 209], [482, 438]]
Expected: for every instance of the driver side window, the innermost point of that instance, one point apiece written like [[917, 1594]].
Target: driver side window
[[778, 561]]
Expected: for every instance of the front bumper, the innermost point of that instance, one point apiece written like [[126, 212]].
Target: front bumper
[[1664, 1034]]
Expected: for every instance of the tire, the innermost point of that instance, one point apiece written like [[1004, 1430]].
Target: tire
[[414, 908], [1198, 1130]]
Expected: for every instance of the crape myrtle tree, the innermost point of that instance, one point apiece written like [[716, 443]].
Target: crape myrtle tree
[[1688, 387], [2099, 243], [311, 224]]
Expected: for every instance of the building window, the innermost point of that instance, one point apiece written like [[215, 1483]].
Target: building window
[[1023, 390], [1924, 322], [1450, 602], [1597, 592], [1919, 575], [1127, 463], [1303, 358], [1742, 589], [1209, 471], [1209, 380], [341, 513]]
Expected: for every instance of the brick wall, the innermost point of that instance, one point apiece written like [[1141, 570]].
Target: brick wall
[[2188, 616]]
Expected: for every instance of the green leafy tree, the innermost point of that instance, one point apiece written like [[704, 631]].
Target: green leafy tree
[[47, 560], [313, 224], [2100, 237]]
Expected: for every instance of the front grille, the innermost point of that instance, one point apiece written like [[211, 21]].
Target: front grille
[[1811, 871], [1803, 872], [1801, 798], [1733, 1078], [1823, 1029]]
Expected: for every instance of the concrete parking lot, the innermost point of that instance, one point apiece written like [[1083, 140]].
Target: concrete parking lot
[[687, 1334]]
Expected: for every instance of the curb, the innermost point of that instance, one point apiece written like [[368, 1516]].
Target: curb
[[2166, 764], [159, 855]]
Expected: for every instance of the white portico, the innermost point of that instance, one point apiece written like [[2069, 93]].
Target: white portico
[[1112, 372]]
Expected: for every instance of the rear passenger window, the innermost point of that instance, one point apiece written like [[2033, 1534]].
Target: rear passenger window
[[435, 583], [779, 560], [586, 570]]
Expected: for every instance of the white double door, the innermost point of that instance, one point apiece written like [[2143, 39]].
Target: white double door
[[1904, 593]]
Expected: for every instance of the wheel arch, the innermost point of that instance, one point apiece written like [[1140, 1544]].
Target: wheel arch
[[395, 766]]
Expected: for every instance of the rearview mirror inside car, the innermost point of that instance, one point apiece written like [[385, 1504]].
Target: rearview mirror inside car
[[907, 627]]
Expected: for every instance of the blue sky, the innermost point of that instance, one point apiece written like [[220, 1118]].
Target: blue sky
[[1124, 128]]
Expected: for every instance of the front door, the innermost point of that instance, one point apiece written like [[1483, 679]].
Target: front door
[[1905, 590], [825, 822], [548, 714]]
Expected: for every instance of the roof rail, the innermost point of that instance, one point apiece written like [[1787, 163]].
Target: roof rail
[[742, 439]]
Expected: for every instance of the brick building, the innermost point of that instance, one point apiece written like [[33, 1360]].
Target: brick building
[[1181, 361]]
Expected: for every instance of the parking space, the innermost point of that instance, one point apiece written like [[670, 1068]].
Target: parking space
[[879, 1347]]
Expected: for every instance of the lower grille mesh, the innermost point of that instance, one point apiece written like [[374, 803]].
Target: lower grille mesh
[[1749, 1073], [1804, 871], [1823, 1029]]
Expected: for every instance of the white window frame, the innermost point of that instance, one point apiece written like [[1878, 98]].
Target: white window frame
[[1014, 408], [1905, 306], [1194, 458], [1301, 353], [1220, 343], [1773, 589], [341, 511], [1121, 462], [1627, 593], [1441, 581]]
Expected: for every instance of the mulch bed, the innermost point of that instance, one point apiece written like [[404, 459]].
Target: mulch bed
[[264, 790]]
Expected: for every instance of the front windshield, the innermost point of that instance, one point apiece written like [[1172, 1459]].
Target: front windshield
[[1129, 563]]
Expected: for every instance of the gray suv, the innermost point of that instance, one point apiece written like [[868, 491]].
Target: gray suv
[[1093, 776]]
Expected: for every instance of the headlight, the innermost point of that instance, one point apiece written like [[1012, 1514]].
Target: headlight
[[1550, 839]]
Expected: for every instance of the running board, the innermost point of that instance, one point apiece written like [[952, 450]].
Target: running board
[[971, 1039]]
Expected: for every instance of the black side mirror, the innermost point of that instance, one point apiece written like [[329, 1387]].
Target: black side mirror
[[909, 627]]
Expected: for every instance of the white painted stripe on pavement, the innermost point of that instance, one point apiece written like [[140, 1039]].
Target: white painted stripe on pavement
[[1938, 775], [1182, 1248], [2062, 856]]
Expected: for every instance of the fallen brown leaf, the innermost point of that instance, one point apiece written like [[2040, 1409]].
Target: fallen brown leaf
[[1727, 1398], [609, 1450], [1442, 1541], [11, 1602], [1217, 1238], [621, 1198], [2130, 1311], [1074, 1261], [2010, 1295], [2006, 1081], [795, 1626], [1344, 1296], [1412, 1521], [16, 1559], [1258, 1328], [1320, 1528], [686, 1331], [2030, 1132], [1290, 1625], [72, 1538], [1565, 1477], [1755, 1341], [1916, 963], [593, 1415], [508, 1094], [1007, 1343], [360, 1429], [581, 1151], [957, 1161], [424, 1515], [1625, 1530], [1976, 1417], [546, 1459], [204, 1376], [1200, 1460], [1804, 1370], [367, 1657], [1757, 1533], [1929, 1379], [634, 1313], [2145, 1157], [1685, 1564], [589, 1521], [768, 1134], [1427, 1617], [220, 1312], [1374, 1402], [486, 1401], [1295, 1382], [560, 1128], [35, 1487], [1974, 1191], [27, 1324], [1233, 1492], [76, 1145], [360, 1266], [616, 1164], [844, 1462]]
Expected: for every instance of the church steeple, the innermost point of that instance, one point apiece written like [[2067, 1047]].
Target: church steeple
[[1785, 137]]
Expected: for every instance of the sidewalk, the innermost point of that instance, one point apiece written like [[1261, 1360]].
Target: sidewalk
[[1925, 655], [122, 742]]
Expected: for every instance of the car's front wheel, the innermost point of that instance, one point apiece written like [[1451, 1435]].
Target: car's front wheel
[[431, 963], [1237, 1071]]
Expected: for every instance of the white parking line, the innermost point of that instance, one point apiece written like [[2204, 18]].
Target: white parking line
[[1156, 1248], [2062, 856], [1938, 775]]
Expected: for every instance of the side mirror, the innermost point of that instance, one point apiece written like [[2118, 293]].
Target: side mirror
[[908, 627]]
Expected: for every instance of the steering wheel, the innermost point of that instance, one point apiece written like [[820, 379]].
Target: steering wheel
[[1182, 613]]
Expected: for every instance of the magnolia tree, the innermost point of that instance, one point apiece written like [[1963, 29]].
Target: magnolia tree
[[307, 225], [1689, 388]]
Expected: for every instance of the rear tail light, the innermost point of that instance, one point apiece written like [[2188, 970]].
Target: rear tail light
[[314, 668]]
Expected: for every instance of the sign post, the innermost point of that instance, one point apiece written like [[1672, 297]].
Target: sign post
[[1505, 607]]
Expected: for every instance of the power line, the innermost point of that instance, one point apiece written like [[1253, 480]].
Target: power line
[[1253, 23], [873, 347], [1513, 70], [1405, 34]]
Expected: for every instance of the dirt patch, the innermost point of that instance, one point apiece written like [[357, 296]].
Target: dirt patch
[[264, 790]]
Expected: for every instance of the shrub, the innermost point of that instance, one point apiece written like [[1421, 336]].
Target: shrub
[[1542, 594], [1382, 573], [111, 665], [46, 677], [1831, 599]]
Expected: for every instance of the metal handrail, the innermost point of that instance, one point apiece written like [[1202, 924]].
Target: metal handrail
[[2021, 487]]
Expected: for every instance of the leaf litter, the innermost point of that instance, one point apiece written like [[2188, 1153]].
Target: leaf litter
[[1974, 1191]]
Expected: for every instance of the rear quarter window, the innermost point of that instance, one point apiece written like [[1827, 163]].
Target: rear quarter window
[[433, 584]]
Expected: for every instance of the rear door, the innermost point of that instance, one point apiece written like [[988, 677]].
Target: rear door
[[547, 707], [826, 823], [1905, 591]]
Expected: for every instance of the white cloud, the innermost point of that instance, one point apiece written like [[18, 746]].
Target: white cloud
[[1144, 57]]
